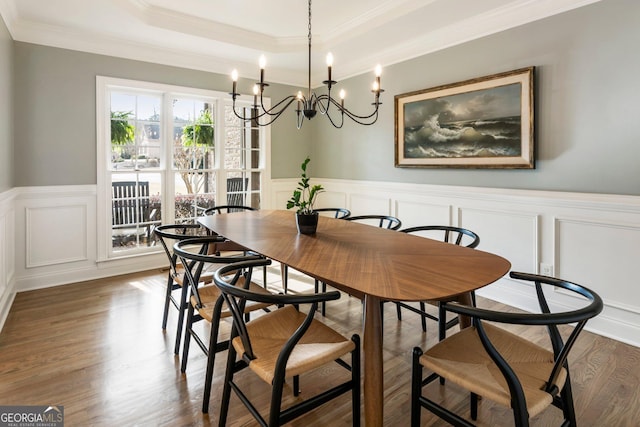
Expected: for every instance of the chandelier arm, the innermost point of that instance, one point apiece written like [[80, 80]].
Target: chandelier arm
[[322, 108], [289, 99], [272, 115], [351, 115], [337, 126], [245, 118]]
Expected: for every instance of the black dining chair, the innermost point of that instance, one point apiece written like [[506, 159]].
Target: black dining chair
[[206, 303], [227, 209], [229, 246], [382, 221], [503, 366], [448, 234], [168, 235], [282, 344]]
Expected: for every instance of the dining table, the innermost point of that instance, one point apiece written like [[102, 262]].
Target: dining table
[[374, 264]]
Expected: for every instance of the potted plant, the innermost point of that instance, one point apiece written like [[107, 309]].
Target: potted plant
[[303, 198]]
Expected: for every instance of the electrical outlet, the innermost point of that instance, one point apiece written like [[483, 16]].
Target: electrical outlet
[[546, 269]]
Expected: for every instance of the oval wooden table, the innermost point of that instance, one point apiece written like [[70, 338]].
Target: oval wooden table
[[369, 262]]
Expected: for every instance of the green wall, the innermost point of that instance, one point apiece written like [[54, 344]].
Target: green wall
[[587, 86], [587, 69], [6, 115], [56, 107]]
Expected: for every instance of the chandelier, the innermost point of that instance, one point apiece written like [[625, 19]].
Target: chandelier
[[307, 105]]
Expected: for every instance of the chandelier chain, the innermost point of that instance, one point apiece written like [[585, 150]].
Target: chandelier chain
[[309, 21]]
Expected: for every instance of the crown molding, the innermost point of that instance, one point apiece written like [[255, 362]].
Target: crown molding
[[219, 55]]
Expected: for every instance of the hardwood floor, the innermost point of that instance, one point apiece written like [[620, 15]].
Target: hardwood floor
[[97, 349]]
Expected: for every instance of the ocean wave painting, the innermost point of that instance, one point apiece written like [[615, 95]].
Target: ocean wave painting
[[484, 123]]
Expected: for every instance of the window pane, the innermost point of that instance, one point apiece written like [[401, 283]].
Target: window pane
[[135, 209], [195, 192], [193, 134], [135, 131], [254, 194]]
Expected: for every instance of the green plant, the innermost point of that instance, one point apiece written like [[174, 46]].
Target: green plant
[[200, 132], [304, 196], [122, 132]]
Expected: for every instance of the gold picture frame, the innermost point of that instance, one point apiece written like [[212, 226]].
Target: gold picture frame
[[485, 122]]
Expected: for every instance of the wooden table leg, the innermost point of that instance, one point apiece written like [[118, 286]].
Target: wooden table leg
[[465, 321], [373, 369]]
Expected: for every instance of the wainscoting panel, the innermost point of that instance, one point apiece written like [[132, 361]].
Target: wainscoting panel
[[56, 239], [416, 213], [512, 235], [56, 235], [7, 250], [370, 205], [613, 251], [332, 199], [4, 282]]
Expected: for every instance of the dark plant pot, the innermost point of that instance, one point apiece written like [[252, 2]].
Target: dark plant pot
[[307, 223]]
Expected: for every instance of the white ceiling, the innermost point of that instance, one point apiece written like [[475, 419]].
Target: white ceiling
[[220, 35]]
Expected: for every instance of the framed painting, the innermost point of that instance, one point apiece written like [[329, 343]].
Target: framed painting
[[480, 123]]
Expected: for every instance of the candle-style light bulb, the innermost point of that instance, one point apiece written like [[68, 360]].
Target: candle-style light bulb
[[299, 100], [234, 78], [329, 59], [329, 65], [255, 95], [375, 87], [378, 72], [263, 63], [342, 95]]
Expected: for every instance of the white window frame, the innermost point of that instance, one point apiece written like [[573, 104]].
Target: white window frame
[[103, 188]]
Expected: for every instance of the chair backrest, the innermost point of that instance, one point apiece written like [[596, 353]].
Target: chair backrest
[[449, 234], [236, 298], [546, 318], [227, 209], [339, 213], [197, 254], [168, 234], [129, 202], [382, 221], [236, 189]]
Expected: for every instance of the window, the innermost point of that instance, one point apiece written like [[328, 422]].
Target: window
[[165, 154]]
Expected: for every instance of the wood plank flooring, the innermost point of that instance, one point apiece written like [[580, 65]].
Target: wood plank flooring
[[97, 348]]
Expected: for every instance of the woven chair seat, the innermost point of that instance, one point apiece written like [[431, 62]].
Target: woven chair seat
[[318, 346], [209, 294], [462, 359], [205, 277]]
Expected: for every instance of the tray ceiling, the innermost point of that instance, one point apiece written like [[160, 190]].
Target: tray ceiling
[[219, 35]]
